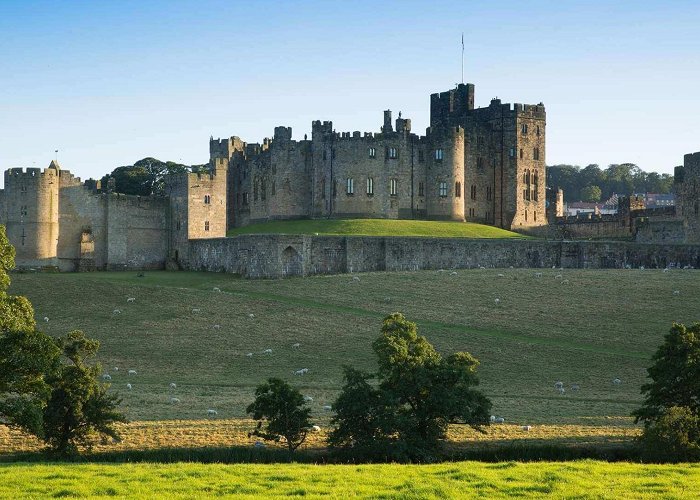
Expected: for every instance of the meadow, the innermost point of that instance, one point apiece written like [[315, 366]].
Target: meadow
[[378, 227]]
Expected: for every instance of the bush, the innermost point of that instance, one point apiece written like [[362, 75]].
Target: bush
[[673, 437]]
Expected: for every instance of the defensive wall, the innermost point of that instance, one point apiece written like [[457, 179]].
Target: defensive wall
[[277, 256]]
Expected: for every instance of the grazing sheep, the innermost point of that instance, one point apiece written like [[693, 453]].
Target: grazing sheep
[[295, 346], [267, 351], [212, 413], [453, 273], [299, 372], [132, 372], [327, 407], [315, 428], [128, 386], [500, 420], [666, 269], [356, 278], [217, 327], [116, 311], [251, 315], [558, 385], [641, 268], [575, 387], [250, 355], [174, 400], [558, 277], [564, 281], [617, 381], [116, 368], [527, 428], [538, 275], [492, 418], [46, 318], [497, 301], [676, 292], [308, 399], [482, 267], [106, 376], [217, 289], [173, 385], [195, 311], [561, 390], [131, 299], [501, 275]]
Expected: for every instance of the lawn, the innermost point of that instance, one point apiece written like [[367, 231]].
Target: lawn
[[583, 479], [600, 325], [378, 227]]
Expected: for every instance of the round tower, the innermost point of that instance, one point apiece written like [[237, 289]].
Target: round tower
[[32, 214], [445, 188]]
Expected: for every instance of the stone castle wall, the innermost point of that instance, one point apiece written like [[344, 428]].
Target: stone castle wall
[[687, 187], [276, 256]]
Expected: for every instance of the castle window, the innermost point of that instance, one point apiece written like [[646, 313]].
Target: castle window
[[458, 189], [206, 225], [324, 154], [392, 153], [178, 226], [521, 153], [536, 153], [245, 198], [534, 216], [438, 154], [393, 187], [350, 186], [272, 190], [480, 163], [511, 152], [443, 189], [255, 189], [523, 128], [370, 186], [535, 182], [525, 215], [372, 153], [421, 156], [538, 130], [23, 189], [489, 192], [323, 189], [473, 192], [263, 191], [335, 188], [207, 199], [421, 189]]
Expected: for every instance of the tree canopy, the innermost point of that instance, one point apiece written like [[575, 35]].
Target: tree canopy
[[146, 176]]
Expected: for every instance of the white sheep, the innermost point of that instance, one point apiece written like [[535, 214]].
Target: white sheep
[[492, 418], [267, 351], [561, 390], [538, 275], [128, 386], [116, 368], [327, 407], [641, 268], [527, 428], [212, 413], [217, 289], [116, 311], [356, 278], [453, 273], [174, 400], [299, 372], [315, 428], [217, 327], [251, 315], [132, 372], [249, 355], [666, 269], [196, 310], [558, 277], [558, 385], [497, 301], [575, 387], [46, 319], [564, 281], [676, 292], [501, 275], [500, 420], [173, 385], [106, 376], [308, 399], [131, 299], [617, 381], [296, 346]]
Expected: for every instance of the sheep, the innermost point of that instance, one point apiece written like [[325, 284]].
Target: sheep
[[641, 268], [497, 301], [173, 385], [174, 400], [196, 310], [267, 351], [116, 368], [132, 372], [217, 289], [617, 381], [259, 444], [315, 428], [501, 275], [116, 311], [296, 346], [327, 407], [106, 376], [558, 385], [217, 327], [128, 386], [561, 390], [300, 372], [46, 319], [500, 420], [492, 419], [251, 315], [453, 273], [249, 355], [308, 399], [356, 278], [212, 413], [575, 387], [666, 269], [130, 299], [558, 277], [538, 275], [526, 428], [676, 292]]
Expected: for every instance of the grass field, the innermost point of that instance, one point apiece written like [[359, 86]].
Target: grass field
[[584, 479], [378, 227]]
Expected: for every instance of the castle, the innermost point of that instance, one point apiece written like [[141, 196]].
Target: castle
[[483, 165]]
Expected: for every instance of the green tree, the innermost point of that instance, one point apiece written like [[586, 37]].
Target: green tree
[[418, 394], [282, 410], [674, 436], [591, 194], [144, 177], [79, 407], [675, 375], [16, 313]]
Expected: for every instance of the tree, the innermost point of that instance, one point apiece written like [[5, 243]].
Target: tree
[[283, 411], [418, 394], [79, 407], [145, 177], [591, 194], [16, 313], [674, 436], [675, 375]]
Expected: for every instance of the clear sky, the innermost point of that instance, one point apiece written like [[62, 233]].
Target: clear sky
[[110, 82]]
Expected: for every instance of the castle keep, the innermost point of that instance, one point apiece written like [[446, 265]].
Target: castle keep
[[483, 165]]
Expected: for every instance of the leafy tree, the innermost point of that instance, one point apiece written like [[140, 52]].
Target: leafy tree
[[16, 313], [283, 410], [79, 407], [674, 436], [418, 394], [675, 375], [145, 177], [591, 194]]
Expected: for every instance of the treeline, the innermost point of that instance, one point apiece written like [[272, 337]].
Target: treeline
[[146, 176], [594, 184]]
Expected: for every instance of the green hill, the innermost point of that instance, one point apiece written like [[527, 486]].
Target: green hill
[[378, 227]]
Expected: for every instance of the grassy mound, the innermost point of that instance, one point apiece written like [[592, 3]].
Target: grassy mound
[[378, 227]]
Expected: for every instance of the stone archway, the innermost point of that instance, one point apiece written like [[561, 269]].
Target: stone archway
[[291, 262]]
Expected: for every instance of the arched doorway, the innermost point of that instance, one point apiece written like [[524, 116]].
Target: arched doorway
[[291, 262]]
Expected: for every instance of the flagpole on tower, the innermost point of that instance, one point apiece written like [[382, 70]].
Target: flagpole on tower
[[462, 56]]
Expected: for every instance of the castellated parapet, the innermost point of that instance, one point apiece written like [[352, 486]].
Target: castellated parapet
[[477, 164]]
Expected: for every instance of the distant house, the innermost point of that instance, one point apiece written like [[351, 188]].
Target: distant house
[[658, 200], [583, 207]]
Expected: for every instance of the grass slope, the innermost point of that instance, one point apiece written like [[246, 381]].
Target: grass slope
[[584, 479], [378, 227], [600, 325]]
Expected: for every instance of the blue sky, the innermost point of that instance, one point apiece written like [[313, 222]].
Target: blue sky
[[108, 83]]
